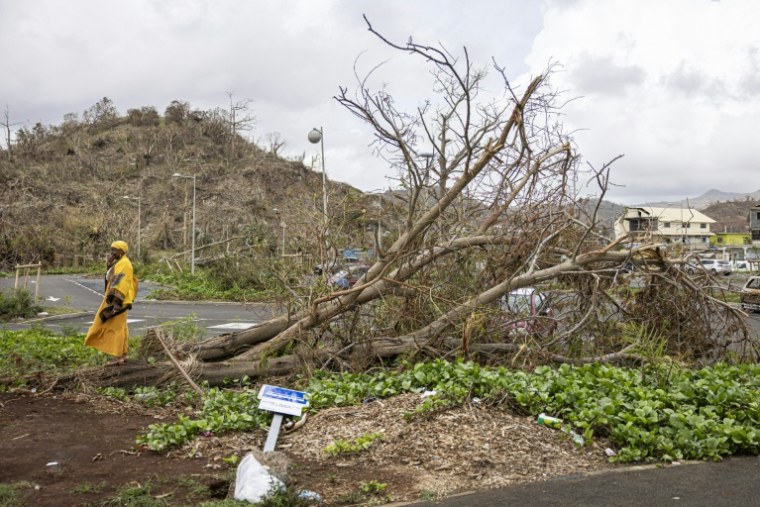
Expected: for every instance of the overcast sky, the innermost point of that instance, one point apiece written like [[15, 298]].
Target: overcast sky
[[673, 85]]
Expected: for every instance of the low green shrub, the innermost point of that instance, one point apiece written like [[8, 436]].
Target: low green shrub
[[20, 304]]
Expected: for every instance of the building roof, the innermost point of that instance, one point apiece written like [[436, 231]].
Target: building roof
[[689, 215]]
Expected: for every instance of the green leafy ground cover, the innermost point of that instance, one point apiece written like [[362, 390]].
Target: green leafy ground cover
[[671, 413], [38, 348], [202, 287], [663, 411]]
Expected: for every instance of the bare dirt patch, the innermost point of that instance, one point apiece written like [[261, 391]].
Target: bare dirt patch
[[93, 439]]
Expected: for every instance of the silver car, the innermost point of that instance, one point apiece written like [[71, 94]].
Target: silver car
[[714, 266]]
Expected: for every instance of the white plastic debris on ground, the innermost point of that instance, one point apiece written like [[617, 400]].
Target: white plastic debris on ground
[[253, 481]]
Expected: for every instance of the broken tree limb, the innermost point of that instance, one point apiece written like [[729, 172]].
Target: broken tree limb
[[160, 337]]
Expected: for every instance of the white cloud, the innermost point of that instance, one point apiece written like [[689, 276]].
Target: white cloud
[[672, 85], [288, 57]]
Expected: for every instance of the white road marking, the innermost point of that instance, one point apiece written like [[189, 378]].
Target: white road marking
[[129, 321], [83, 286]]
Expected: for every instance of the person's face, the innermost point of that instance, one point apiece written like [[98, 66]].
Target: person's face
[[115, 254]]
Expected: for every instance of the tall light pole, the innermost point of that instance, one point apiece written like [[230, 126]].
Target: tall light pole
[[316, 136], [139, 214], [192, 255]]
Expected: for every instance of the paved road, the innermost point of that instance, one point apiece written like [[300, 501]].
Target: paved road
[[733, 482], [87, 294]]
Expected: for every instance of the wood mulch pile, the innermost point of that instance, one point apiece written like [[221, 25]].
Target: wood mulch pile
[[466, 448]]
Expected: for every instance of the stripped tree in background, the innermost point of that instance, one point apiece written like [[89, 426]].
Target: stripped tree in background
[[482, 181]]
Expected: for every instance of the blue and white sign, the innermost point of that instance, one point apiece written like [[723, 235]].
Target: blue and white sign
[[281, 400]]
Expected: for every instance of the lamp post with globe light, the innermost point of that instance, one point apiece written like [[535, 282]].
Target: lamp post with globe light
[[192, 255], [139, 214], [316, 136]]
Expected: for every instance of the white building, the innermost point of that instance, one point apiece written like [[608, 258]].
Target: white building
[[668, 225]]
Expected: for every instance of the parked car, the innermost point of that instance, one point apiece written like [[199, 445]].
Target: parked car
[[331, 267], [347, 258], [531, 305], [714, 266], [750, 296], [347, 278]]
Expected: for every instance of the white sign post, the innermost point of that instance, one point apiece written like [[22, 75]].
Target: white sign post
[[280, 401]]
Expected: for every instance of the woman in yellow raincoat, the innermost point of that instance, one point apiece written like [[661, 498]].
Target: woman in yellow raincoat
[[109, 332]]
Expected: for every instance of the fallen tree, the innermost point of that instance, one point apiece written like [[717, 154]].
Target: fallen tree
[[487, 213]]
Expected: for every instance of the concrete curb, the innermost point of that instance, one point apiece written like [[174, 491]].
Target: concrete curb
[[211, 303], [65, 316]]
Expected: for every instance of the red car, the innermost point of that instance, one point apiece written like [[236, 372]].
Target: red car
[[528, 312]]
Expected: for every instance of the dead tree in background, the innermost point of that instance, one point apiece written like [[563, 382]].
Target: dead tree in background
[[487, 214]]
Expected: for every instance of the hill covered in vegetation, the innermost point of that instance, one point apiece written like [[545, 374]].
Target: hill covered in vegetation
[[62, 186]]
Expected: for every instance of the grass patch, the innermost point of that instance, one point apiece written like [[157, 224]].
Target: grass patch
[[134, 496], [88, 487], [196, 489], [10, 494], [240, 283], [426, 494]]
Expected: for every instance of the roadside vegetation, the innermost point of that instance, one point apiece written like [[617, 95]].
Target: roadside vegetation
[[18, 304], [41, 350], [663, 411]]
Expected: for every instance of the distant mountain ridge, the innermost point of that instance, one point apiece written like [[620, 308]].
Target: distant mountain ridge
[[712, 196]]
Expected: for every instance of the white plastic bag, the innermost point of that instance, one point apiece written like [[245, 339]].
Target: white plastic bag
[[253, 481]]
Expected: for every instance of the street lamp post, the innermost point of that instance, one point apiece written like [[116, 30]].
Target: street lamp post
[[282, 224], [139, 215], [192, 255], [316, 136]]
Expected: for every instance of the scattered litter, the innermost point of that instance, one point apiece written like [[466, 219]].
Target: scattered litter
[[145, 396], [253, 482], [427, 393], [476, 401], [552, 422], [37, 487], [578, 439], [54, 467], [676, 498], [676, 463], [310, 495], [34, 390], [609, 452], [367, 400], [42, 314], [51, 298]]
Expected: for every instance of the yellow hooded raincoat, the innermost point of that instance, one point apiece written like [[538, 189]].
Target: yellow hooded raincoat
[[112, 335]]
